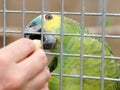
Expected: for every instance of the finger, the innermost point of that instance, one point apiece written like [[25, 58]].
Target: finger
[[33, 65], [17, 50], [45, 87], [39, 81]]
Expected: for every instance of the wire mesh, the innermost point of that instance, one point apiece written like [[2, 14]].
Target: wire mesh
[[4, 27], [61, 44], [103, 42], [82, 45], [83, 13]]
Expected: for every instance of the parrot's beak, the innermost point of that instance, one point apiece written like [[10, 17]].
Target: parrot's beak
[[34, 32]]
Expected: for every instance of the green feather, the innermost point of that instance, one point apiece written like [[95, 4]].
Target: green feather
[[91, 66], [71, 64]]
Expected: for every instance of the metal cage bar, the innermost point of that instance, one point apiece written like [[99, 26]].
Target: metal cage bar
[[65, 34], [23, 17], [65, 13], [83, 13], [4, 23], [61, 43], [103, 42], [82, 45], [42, 15]]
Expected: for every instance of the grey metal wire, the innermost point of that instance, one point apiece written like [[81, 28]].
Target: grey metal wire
[[65, 13], [85, 56], [4, 25], [87, 77], [103, 43], [42, 16], [83, 13], [65, 34], [61, 43], [82, 45], [100, 4], [23, 17]]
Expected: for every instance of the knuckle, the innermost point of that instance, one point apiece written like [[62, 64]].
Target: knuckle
[[44, 61], [47, 73], [43, 57], [27, 42]]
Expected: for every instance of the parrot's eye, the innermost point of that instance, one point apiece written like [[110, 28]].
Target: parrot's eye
[[48, 16]]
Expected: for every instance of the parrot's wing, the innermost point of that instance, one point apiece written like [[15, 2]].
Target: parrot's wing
[[53, 64]]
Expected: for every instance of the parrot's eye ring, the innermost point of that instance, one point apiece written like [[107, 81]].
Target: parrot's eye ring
[[48, 16]]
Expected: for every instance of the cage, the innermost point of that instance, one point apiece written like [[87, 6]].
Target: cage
[[101, 17]]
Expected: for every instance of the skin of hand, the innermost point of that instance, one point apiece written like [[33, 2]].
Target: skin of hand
[[23, 67]]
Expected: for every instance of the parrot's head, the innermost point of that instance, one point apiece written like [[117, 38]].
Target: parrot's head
[[48, 23]]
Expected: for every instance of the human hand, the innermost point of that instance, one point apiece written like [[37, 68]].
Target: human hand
[[22, 67]]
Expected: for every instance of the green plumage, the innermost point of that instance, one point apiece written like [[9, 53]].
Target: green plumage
[[91, 66], [71, 64]]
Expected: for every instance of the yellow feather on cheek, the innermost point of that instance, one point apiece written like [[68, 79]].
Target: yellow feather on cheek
[[53, 24]]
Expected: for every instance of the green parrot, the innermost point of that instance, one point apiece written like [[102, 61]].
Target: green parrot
[[68, 75]]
